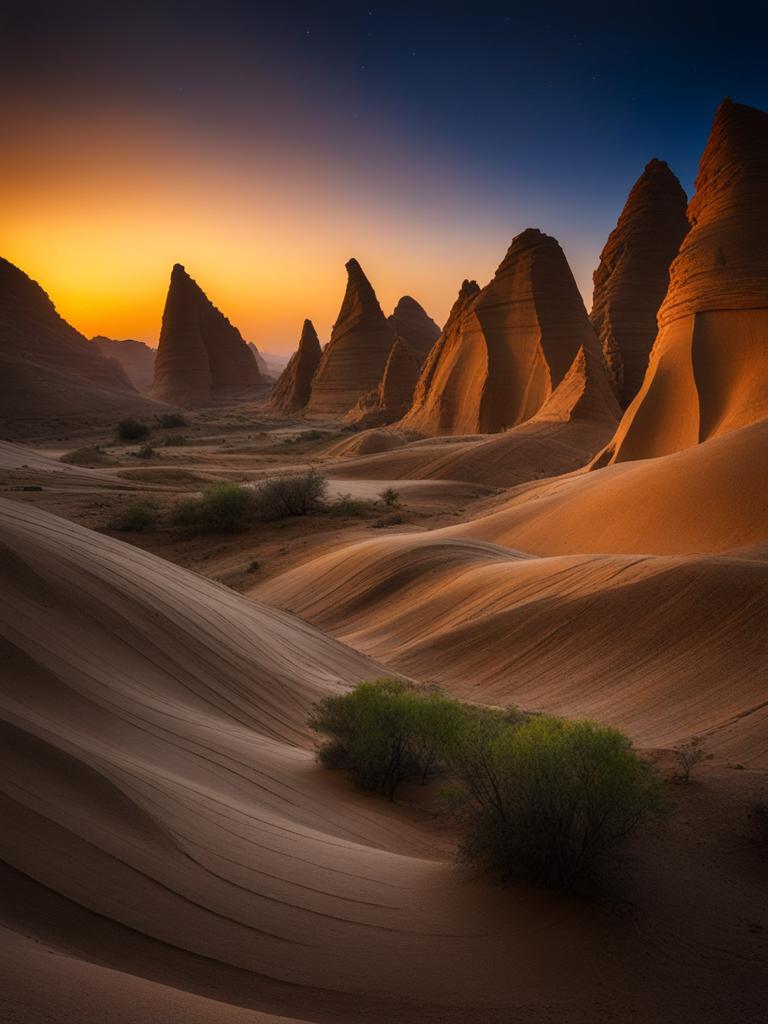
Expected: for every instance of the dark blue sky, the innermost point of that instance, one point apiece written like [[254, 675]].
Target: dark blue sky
[[462, 123]]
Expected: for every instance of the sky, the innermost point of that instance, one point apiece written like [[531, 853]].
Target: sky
[[263, 145]]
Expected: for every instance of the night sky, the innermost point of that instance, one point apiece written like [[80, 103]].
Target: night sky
[[263, 145]]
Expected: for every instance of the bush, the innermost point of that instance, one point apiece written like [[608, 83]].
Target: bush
[[383, 732], [171, 419], [546, 800], [132, 430], [348, 507], [139, 517], [688, 756], [297, 494], [390, 497], [223, 508], [145, 452]]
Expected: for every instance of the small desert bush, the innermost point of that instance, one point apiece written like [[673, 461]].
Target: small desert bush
[[537, 798], [138, 517], [390, 497], [296, 494], [132, 430], [346, 506], [222, 508], [689, 755], [171, 419]]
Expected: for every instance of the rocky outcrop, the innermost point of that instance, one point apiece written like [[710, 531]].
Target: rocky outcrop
[[261, 362], [353, 361], [201, 356], [708, 371], [291, 392], [411, 322], [505, 349], [633, 275], [392, 398], [136, 359]]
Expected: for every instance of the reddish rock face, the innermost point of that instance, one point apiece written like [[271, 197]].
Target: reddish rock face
[[32, 330], [291, 392], [136, 359], [633, 275], [392, 398], [354, 359], [504, 349], [201, 355], [708, 371], [414, 326]]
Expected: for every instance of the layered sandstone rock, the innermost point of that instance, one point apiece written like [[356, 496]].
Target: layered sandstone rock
[[411, 322], [291, 392], [136, 359], [633, 275], [353, 361], [201, 356], [708, 371], [392, 398], [505, 349]]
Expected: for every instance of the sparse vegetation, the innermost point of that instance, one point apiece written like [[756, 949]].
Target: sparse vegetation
[[296, 494], [138, 517], [132, 430], [346, 506], [91, 456], [689, 755], [171, 419], [536, 797], [222, 508], [390, 497]]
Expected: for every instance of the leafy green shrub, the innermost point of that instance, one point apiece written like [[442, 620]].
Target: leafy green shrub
[[546, 800], [222, 508], [346, 506], [390, 497], [132, 430], [138, 517], [171, 419], [296, 494]]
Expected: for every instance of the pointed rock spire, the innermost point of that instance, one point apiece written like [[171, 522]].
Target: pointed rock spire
[[411, 322], [354, 359], [504, 349], [201, 355], [292, 390], [633, 275], [708, 371], [392, 398]]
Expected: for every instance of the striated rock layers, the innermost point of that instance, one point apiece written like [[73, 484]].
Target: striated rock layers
[[201, 355], [411, 322], [392, 398], [136, 359], [353, 361], [504, 349], [292, 390], [708, 371], [633, 275]]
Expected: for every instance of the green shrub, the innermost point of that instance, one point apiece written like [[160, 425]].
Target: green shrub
[[346, 506], [171, 419], [222, 508], [138, 517], [296, 494], [546, 800], [132, 430], [390, 497]]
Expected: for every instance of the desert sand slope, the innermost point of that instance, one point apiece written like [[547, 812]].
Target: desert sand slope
[[291, 392], [504, 350], [200, 355], [708, 371], [411, 322], [136, 358], [633, 275], [354, 359]]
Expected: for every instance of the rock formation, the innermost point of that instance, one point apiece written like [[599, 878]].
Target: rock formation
[[201, 355], [136, 359], [291, 392], [354, 359], [260, 361], [708, 371], [505, 349], [414, 325], [633, 275], [392, 398]]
